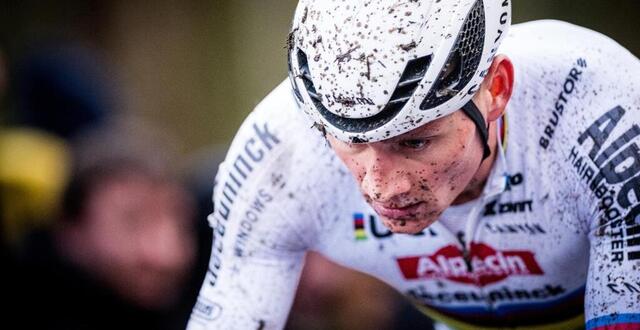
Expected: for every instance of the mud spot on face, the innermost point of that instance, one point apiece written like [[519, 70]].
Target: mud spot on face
[[424, 186]]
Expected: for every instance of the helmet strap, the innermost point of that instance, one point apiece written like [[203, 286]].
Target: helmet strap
[[472, 111]]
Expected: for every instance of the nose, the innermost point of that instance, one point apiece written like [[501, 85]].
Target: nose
[[385, 178]]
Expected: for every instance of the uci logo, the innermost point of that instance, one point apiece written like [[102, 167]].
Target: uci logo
[[374, 226]]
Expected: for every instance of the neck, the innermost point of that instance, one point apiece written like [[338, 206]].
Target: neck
[[476, 185]]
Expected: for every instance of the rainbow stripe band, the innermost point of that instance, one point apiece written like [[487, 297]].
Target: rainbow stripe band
[[361, 235], [615, 322], [570, 324], [358, 224], [504, 131]]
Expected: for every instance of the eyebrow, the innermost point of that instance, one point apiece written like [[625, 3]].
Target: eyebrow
[[426, 130]]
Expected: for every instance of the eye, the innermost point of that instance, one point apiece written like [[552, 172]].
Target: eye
[[415, 144], [355, 147]]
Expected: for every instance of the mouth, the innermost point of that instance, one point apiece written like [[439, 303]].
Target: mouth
[[406, 212]]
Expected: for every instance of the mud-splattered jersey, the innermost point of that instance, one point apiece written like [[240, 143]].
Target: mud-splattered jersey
[[553, 241]]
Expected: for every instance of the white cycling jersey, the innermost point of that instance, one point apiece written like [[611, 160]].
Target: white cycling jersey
[[553, 241]]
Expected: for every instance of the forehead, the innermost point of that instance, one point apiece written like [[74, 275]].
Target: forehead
[[447, 123], [431, 128]]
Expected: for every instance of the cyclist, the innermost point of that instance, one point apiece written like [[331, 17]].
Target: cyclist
[[519, 210]]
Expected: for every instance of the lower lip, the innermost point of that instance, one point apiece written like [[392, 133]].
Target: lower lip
[[397, 213]]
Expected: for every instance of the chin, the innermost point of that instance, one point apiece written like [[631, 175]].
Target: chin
[[408, 226]]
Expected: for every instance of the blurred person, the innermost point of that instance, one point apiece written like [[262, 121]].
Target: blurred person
[[59, 92], [489, 173], [330, 296], [333, 297], [123, 247]]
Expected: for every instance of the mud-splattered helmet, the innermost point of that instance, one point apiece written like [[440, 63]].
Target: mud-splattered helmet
[[369, 70]]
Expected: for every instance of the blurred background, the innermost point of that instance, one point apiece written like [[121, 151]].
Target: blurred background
[[170, 78]]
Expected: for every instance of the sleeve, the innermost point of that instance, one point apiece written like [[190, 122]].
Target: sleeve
[[258, 251], [613, 287], [610, 145]]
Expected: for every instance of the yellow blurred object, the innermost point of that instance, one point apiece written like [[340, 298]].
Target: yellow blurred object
[[34, 168]]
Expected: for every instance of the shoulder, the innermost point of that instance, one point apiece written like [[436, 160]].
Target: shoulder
[[270, 136], [270, 121], [547, 51], [574, 111], [566, 77], [554, 37], [277, 164]]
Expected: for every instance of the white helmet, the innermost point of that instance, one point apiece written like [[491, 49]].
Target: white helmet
[[369, 70]]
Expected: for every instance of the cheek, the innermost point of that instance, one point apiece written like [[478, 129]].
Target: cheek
[[456, 176], [354, 164], [439, 178], [357, 170]]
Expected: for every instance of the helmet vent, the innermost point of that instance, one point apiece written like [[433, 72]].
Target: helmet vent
[[410, 80], [305, 75], [463, 61], [296, 90]]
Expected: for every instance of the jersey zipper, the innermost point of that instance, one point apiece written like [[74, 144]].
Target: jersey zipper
[[496, 187]]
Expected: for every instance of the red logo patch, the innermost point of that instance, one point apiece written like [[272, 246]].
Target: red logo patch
[[488, 265]]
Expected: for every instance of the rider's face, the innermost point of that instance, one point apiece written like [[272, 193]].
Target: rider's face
[[411, 179]]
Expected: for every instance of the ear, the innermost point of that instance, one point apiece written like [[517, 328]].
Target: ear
[[499, 85]]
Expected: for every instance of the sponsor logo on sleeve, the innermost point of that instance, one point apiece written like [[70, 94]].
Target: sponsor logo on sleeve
[[611, 171], [241, 165], [250, 218], [568, 90], [624, 286], [206, 309]]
